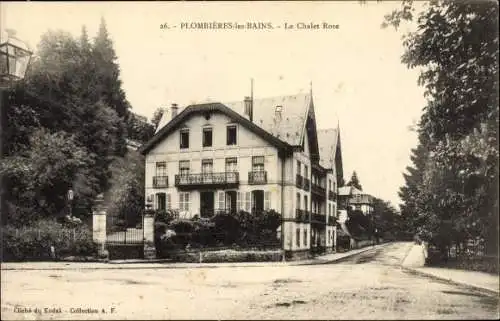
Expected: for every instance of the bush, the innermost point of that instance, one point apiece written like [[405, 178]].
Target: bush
[[34, 242]]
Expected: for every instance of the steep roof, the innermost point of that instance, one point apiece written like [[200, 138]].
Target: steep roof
[[289, 129], [327, 141], [177, 121], [294, 109]]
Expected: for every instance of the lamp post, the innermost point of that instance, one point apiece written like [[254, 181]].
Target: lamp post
[[15, 57]]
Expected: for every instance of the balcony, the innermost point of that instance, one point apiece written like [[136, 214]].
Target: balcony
[[332, 196], [207, 180], [318, 218], [160, 181], [258, 177], [332, 220], [307, 184], [299, 181], [318, 190], [301, 216]]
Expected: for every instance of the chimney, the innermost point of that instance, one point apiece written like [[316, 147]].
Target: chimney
[[174, 109], [248, 107]]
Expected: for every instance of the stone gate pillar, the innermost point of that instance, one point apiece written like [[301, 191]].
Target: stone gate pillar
[[149, 235], [99, 227]]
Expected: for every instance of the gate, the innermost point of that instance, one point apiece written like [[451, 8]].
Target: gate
[[125, 237]]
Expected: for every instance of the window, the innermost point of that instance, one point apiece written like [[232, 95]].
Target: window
[[169, 202], [184, 201], [231, 135], [231, 164], [306, 171], [298, 201], [305, 202], [299, 168], [297, 237], [239, 205], [267, 201], [305, 237], [207, 137], [330, 186], [258, 163], [184, 167], [184, 138], [207, 166], [161, 169]]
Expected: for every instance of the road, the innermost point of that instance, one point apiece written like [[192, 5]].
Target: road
[[370, 285]]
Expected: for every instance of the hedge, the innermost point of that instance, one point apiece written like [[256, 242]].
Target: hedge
[[34, 242]]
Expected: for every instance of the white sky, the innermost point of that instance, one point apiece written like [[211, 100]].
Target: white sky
[[356, 70]]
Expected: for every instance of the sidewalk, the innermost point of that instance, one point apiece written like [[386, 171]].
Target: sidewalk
[[415, 260], [162, 264]]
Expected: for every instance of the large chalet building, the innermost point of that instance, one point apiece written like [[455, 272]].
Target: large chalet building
[[250, 155]]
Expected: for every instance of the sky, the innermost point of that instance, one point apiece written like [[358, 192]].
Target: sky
[[356, 72]]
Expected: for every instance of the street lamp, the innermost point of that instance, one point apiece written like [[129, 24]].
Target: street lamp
[[15, 57]]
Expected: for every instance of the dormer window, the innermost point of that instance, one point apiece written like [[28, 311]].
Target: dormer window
[[231, 135], [184, 138]]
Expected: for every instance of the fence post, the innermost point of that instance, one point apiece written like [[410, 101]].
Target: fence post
[[149, 235], [99, 230]]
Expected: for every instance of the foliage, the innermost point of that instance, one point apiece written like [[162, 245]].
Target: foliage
[[355, 181], [139, 129], [33, 242], [157, 115], [72, 89], [451, 191]]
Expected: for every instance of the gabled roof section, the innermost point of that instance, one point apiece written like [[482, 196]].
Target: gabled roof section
[[327, 141], [213, 106], [290, 126]]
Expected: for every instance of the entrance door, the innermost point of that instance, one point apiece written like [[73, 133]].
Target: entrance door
[[258, 201], [206, 204]]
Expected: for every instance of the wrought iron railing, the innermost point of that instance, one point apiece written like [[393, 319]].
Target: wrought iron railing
[[160, 181], [301, 216], [318, 218], [257, 177], [318, 190], [206, 179]]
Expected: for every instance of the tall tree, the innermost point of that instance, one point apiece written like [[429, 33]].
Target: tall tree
[[157, 115], [109, 85], [355, 181], [456, 192]]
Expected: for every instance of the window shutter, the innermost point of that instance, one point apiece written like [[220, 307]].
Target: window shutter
[[247, 202], [169, 202], [267, 201], [238, 201], [221, 201], [186, 199]]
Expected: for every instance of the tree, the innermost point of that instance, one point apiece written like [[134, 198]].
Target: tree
[[355, 181], [158, 114], [455, 192], [109, 86]]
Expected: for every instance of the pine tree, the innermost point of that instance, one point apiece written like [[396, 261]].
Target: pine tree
[[355, 181]]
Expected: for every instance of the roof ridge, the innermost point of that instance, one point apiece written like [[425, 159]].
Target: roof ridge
[[269, 97]]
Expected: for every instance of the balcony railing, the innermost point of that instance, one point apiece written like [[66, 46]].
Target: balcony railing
[[299, 181], [257, 177], [318, 218], [229, 179], [318, 190], [301, 216], [332, 196], [307, 184], [160, 181]]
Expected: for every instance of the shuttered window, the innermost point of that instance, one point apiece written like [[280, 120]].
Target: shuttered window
[[222, 201], [248, 201], [267, 201]]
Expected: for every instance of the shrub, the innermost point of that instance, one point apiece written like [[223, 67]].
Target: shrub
[[34, 242]]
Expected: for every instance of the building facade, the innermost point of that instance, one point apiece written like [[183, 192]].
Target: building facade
[[251, 155], [355, 199]]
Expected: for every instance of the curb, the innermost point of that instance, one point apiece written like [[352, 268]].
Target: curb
[[463, 284], [130, 265]]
